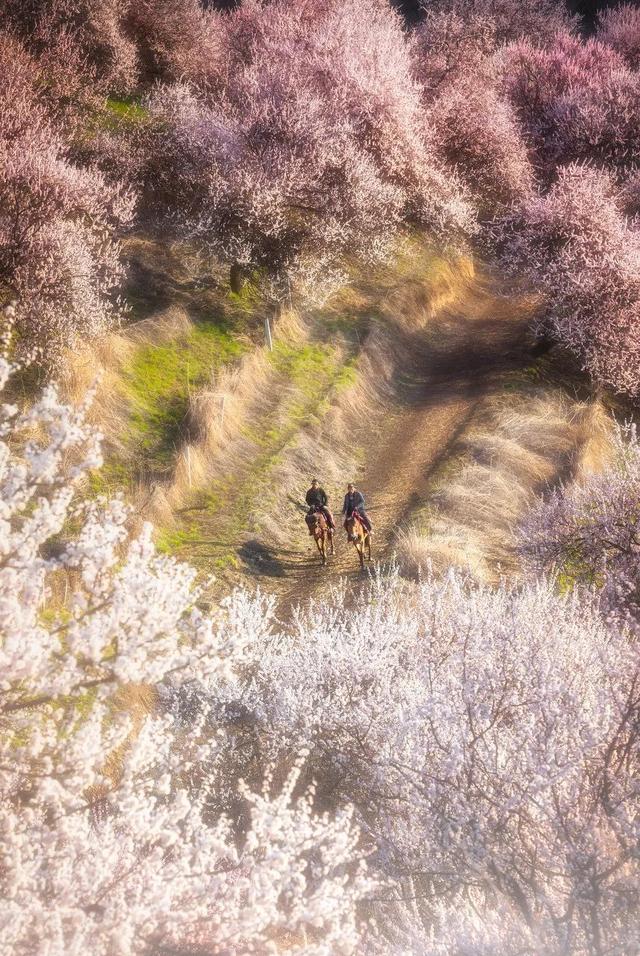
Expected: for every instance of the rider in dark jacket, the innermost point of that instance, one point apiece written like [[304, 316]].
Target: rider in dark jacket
[[317, 499], [354, 501]]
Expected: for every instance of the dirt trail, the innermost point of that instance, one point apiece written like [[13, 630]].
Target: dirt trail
[[467, 347]]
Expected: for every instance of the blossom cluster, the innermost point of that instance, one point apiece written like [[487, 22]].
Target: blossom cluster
[[451, 769], [589, 533], [318, 146], [59, 258], [483, 737], [577, 246], [110, 841]]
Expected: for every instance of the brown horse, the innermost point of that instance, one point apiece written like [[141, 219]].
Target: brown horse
[[322, 533], [357, 533]]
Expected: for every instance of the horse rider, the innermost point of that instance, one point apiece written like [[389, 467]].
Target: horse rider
[[354, 502], [317, 500]]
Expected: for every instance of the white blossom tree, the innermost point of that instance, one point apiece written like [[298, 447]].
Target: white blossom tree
[[488, 739], [109, 841]]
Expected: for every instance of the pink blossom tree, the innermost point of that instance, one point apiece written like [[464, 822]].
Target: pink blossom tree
[[577, 101], [619, 27], [66, 82], [176, 40], [476, 133], [630, 193], [589, 533], [475, 130], [122, 43], [578, 248], [305, 156], [59, 258], [497, 21], [448, 43], [96, 29], [457, 38]]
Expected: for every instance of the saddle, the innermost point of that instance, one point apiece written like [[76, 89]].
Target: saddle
[[358, 518]]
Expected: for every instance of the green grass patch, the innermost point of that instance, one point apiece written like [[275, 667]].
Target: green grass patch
[[301, 364], [123, 111], [157, 384], [313, 374], [116, 114], [249, 299], [111, 478], [173, 540]]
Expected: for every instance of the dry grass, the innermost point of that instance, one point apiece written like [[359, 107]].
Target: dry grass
[[254, 433], [258, 431], [100, 366], [520, 446], [225, 418]]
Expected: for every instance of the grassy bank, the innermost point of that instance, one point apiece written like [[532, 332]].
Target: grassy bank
[[537, 427]]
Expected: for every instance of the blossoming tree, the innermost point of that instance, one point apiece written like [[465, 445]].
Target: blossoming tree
[[304, 158], [579, 249], [59, 258], [619, 27], [577, 101], [588, 533], [109, 844]]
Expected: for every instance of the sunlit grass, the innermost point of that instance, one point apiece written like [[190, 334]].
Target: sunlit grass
[[156, 384]]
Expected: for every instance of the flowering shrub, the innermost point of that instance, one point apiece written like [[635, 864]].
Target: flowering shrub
[[120, 43], [456, 37], [590, 533], [448, 43], [176, 40], [576, 245], [475, 130], [96, 28], [477, 134], [59, 260], [483, 737]]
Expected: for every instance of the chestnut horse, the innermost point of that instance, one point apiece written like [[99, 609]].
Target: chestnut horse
[[357, 533], [322, 533]]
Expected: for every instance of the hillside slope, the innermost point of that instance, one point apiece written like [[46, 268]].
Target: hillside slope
[[215, 437]]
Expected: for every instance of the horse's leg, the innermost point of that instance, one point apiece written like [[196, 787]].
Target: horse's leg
[[318, 539], [333, 550], [368, 540], [361, 553]]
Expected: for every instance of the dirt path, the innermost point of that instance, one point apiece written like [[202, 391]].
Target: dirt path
[[461, 359]]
